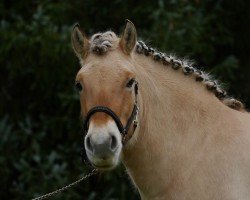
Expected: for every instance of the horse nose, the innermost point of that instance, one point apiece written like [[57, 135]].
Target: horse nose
[[101, 145]]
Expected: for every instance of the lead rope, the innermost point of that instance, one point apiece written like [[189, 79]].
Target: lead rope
[[93, 172]]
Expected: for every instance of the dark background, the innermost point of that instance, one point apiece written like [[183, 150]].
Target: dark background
[[40, 126]]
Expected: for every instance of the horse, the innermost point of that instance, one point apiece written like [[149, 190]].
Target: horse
[[176, 130]]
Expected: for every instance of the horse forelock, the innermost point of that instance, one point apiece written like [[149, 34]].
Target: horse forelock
[[101, 43]]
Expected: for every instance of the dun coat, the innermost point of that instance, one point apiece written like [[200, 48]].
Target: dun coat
[[193, 141]]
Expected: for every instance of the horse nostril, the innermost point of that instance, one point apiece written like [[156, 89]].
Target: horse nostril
[[88, 143], [113, 144]]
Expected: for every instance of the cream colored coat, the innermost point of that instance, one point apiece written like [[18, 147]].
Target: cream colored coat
[[190, 145]]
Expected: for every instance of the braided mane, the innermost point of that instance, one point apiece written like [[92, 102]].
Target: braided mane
[[101, 43], [188, 69]]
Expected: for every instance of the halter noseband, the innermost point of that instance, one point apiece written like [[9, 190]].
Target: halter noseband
[[123, 129]]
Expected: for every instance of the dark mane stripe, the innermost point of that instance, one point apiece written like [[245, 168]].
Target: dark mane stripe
[[188, 69]]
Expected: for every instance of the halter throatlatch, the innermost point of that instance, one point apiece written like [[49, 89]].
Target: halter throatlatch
[[123, 129]]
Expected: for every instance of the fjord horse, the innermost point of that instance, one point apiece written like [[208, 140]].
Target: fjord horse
[[175, 129]]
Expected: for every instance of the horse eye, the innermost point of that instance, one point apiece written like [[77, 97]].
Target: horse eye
[[78, 86], [130, 83]]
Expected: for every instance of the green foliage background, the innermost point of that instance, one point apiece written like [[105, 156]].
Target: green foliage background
[[40, 126]]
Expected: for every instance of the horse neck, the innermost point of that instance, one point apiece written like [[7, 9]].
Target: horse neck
[[175, 112]]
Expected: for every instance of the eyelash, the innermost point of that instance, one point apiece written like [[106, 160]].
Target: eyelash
[[130, 83], [78, 86]]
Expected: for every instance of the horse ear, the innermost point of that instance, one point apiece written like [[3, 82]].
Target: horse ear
[[129, 38], [79, 42]]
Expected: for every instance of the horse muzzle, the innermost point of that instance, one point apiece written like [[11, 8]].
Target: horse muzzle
[[103, 146]]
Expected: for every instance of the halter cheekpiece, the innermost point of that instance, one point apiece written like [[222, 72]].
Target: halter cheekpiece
[[123, 129]]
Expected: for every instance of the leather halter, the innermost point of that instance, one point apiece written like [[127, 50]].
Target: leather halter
[[122, 129]]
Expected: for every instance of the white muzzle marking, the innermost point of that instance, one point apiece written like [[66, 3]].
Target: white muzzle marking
[[103, 145]]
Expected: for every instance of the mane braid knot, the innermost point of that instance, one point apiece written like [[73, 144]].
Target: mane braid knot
[[188, 69], [101, 43]]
